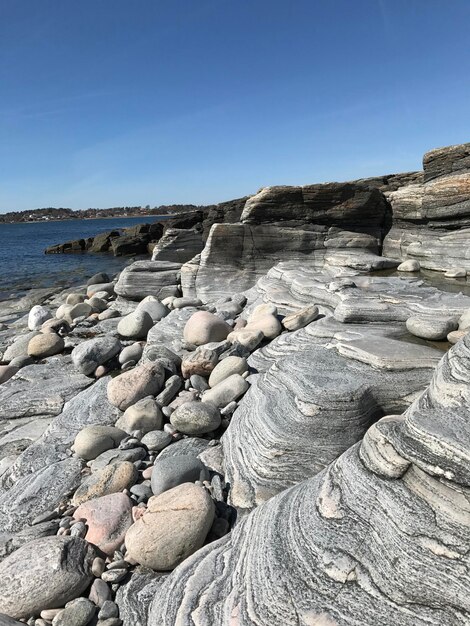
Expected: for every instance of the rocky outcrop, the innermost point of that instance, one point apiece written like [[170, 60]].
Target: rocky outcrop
[[148, 278], [343, 547], [178, 245], [431, 221]]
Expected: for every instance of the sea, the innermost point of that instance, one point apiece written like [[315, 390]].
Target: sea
[[24, 265]]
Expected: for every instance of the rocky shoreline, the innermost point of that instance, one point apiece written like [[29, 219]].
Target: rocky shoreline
[[260, 425]]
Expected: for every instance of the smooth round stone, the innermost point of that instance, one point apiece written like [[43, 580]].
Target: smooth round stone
[[6, 372], [262, 310], [108, 519], [174, 526], [301, 318], [44, 573], [181, 303], [136, 325], [111, 479], [269, 325], [74, 298], [88, 355], [63, 310], [198, 382], [97, 304], [226, 391], [175, 470], [145, 415], [201, 362], [130, 387], [96, 279], [78, 612], [196, 418], [37, 316], [100, 592], [249, 339], [204, 327], [131, 353], [432, 328], [78, 310], [456, 272], [91, 441], [19, 347], [456, 335], [44, 345], [156, 309], [227, 367], [156, 440], [108, 314], [410, 265]]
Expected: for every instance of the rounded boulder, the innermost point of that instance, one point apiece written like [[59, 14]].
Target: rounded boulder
[[204, 327], [196, 418]]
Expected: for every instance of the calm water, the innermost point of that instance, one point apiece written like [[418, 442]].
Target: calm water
[[25, 266]]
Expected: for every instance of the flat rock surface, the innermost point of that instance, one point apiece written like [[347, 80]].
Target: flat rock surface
[[40, 390]]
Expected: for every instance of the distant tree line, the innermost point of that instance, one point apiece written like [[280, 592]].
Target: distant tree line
[[53, 214]]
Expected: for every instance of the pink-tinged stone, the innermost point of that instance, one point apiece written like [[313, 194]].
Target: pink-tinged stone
[[147, 473], [108, 518], [137, 512]]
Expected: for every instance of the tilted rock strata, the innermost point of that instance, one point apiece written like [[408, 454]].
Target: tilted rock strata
[[342, 547]]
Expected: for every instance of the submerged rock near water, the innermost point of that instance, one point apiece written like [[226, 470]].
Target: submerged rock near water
[[286, 443]]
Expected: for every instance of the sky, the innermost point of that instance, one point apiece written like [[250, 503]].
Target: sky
[[119, 102]]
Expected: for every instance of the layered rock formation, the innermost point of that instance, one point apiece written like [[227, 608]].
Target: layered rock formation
[[432, 220], [380, 536]]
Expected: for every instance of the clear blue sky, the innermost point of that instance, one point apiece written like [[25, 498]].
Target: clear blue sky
[[118, 102]]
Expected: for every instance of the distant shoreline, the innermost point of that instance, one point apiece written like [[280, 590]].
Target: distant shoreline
[[71, 219]]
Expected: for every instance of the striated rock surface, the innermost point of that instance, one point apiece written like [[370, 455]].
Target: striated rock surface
[[431, 221], [148, 278], [47, 572], [378, 537], [178, 245]]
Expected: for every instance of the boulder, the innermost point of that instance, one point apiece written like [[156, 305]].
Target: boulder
[[131, 353], [195, 418], [19, 347], [148, 278], [228, 366], [204, 327], [37, 316], [156, 440], [111, 479], [101, 277], [410, 265], [78, 612], [91, 441], [174, 526], [200, 362], [174, 470], [301, 318], [58, 569], [154, 308], [135, 325], [44, 345], [431, 328], [130, 387], [89, 354], [145, 415], [226, 391]]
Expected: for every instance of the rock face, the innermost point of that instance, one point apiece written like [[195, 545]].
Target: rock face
[[284, 223], [178, 245], [174, 526], [58, 569], [89, 354], [341, 535], [431, 221], [148, 278]]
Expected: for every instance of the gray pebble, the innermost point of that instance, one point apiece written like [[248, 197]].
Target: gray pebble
[[109, 609]]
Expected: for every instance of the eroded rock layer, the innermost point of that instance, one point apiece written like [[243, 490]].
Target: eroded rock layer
[[378, 537]]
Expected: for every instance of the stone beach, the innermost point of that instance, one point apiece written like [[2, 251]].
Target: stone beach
[[266, 423]]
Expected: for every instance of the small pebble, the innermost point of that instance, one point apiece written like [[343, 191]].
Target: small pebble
[[98, 567], [114, 575]]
